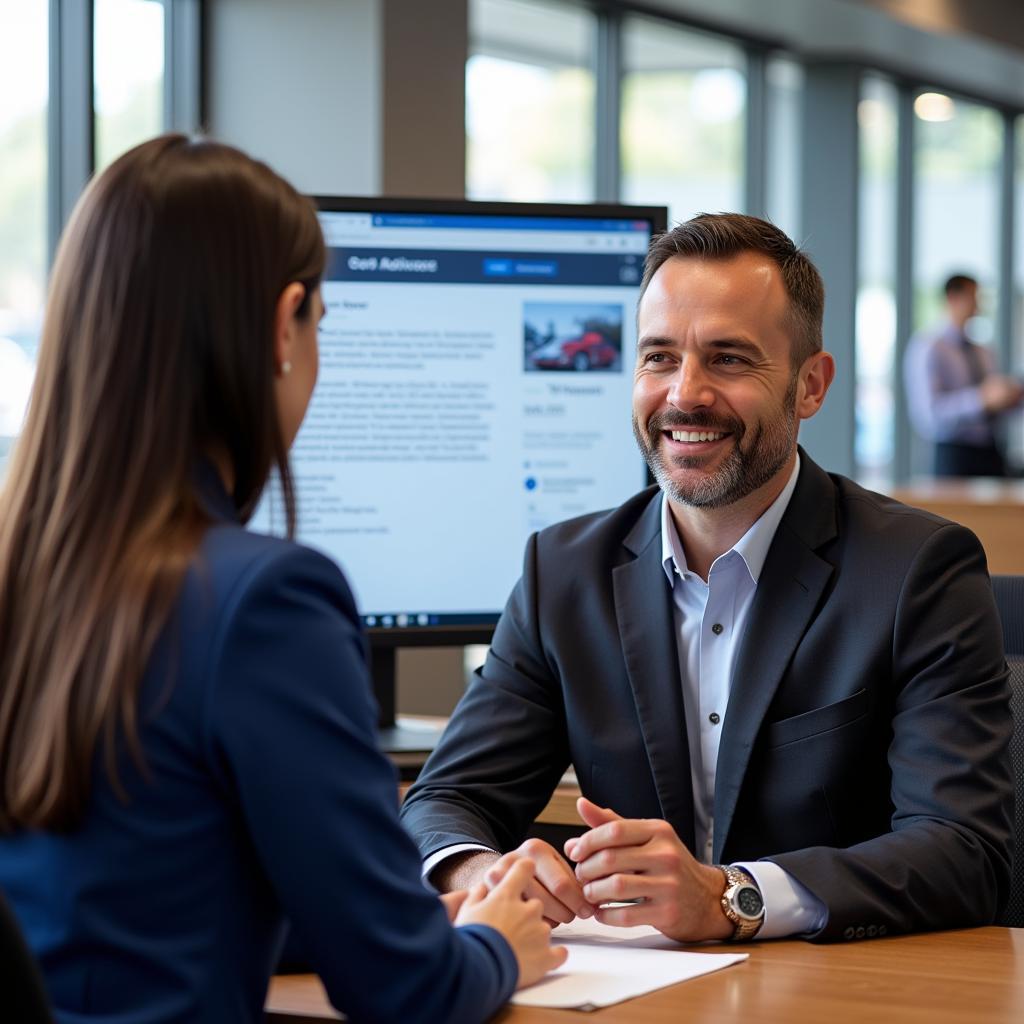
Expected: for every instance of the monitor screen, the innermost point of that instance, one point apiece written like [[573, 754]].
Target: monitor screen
[[475, 378]]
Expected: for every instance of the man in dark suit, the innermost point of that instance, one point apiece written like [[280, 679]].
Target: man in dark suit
[[784, 697]]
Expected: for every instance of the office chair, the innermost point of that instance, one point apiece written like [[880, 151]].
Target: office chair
[[21, 984], [1009, 592]]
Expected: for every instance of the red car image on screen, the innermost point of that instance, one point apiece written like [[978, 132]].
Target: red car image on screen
[[590, 351]]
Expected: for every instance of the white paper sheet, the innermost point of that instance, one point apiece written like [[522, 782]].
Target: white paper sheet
[[607, 965]]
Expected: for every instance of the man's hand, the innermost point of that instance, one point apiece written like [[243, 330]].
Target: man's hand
[[999, 393], [554, 883], [462, 870], [622, 859]]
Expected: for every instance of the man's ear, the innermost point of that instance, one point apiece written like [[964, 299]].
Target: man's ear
[[288, 303], [814, 379]]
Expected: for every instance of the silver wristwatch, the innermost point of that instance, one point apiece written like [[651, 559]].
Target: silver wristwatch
[[741, 902]]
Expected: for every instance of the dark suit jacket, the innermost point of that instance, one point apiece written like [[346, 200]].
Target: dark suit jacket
[[865, 745]]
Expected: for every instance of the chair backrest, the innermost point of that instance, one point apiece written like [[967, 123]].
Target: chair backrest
[[22, 994], [1009, 592]]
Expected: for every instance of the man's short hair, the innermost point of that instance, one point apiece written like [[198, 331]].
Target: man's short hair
[[957, 284], [722, 236]]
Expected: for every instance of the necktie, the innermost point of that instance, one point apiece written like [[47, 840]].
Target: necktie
[[976, 369]]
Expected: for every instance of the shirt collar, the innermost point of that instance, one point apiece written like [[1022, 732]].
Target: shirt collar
[[950, 332], [752, 547]]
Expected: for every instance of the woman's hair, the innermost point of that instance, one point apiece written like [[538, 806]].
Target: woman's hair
[[157, 352]]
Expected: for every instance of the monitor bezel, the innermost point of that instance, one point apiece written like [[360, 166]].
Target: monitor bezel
[[459, 635], [656, 215]]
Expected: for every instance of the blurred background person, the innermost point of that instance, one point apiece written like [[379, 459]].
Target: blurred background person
[[955, 396], [188, 746]]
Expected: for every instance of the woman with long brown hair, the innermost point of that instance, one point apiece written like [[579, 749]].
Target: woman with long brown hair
[[187, 736]]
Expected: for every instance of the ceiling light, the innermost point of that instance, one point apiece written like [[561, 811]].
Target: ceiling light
[[934, 106]]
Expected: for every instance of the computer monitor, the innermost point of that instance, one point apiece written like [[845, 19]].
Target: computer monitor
[[475, 378]]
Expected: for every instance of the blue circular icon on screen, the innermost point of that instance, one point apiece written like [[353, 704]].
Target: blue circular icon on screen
[[531, 483]]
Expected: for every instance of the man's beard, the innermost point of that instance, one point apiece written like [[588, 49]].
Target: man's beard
[[743, 471]]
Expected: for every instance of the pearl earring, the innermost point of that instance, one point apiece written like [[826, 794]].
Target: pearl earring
[[286, 368]]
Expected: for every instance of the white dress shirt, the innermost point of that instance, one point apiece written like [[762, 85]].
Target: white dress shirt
[[710, 619], [943, 397]]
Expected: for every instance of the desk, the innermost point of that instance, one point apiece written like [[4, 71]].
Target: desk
[[940, 978], [992, 509], [560, 809]]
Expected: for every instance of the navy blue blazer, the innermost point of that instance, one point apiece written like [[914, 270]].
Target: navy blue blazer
[[266, 798]]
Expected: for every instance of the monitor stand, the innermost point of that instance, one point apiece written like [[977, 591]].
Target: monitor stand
[[405, 736]]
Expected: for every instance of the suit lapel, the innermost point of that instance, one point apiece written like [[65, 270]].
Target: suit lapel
[[643, 609], [788, 591]]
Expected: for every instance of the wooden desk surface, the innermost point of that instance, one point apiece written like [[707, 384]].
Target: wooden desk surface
[[993, 509], [941, 978], [980, 492]]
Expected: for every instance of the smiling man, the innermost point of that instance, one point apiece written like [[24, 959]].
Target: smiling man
[[784, 697]]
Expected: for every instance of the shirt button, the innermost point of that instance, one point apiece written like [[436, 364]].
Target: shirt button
[[714, 718], [717, 628]]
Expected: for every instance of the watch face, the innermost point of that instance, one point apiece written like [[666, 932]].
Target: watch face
[[749, 902]]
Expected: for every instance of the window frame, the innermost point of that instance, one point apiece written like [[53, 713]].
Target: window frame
[[71, 140], [1009, 321]]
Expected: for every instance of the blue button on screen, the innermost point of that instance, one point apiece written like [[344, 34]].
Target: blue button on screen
[[520, 268]]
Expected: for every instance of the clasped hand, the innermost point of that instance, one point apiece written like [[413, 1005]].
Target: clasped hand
[[639, 862]]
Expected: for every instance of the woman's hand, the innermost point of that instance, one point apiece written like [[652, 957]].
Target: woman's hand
[[518, 919], [453, 901]]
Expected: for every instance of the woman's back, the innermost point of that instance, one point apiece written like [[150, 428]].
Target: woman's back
[[264, 796], [187, 740]]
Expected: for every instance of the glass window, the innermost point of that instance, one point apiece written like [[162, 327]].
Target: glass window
[[128, 74], [877, 375], [1017, 349], [958, 153], [1015, 436], [530, 101], [684, 98], [24, 86], [785, 84]]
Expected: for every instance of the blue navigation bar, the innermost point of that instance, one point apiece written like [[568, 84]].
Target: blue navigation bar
[[449, 266]]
